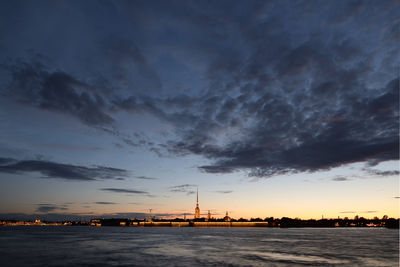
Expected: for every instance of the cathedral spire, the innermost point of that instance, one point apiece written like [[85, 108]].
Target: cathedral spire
[[197, 209]]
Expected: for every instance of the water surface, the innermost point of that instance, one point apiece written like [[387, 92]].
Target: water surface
[[131, 246]]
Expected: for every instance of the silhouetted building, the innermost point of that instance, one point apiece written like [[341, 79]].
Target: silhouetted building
[[208, 215]]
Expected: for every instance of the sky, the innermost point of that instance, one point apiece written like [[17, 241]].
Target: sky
[[268, 108]]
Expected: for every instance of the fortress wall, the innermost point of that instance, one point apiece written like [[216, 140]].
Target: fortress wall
[[249, 224], [180, 224], [158, 224], [230, 224], [202, 224], [211, 224]]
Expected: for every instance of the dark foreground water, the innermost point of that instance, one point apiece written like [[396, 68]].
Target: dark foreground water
[[118, 246]]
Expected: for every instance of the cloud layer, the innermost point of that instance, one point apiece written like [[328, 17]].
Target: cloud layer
[[267, 88], [184, 188], [56, 170], [123, 190], [48, 208]]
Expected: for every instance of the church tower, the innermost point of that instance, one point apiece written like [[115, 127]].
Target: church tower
[[197, 209], [227, 218]]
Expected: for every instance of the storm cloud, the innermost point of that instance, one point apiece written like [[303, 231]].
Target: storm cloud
[[266, 88], [287, 105]]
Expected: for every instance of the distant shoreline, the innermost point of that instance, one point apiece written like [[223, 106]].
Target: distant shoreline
[[390, 223]]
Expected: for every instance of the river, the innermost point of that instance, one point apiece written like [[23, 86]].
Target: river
[[153, 246]]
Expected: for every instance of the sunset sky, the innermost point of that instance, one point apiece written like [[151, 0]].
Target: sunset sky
[[269, 108]]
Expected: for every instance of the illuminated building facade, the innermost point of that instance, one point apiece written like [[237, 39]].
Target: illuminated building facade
[[227, 218]]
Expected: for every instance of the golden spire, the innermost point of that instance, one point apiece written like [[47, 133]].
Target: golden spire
[[197, 209]]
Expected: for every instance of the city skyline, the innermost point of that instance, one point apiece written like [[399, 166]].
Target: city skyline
[[260, 108]]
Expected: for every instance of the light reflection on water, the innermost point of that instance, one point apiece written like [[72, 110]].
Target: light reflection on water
[[119, 246]]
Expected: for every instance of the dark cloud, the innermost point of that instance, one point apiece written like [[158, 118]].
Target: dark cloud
[[122, 190], [184, 188], [277, 128], [347, 212], [129, 142], [105, 203], [288, 105], [46, 208], [285, 87], [55, 170], [384, 173], [340, 179], [285, 141], [33, 84], [224, 191], [5, 161], [145, 178], [136, 140]]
